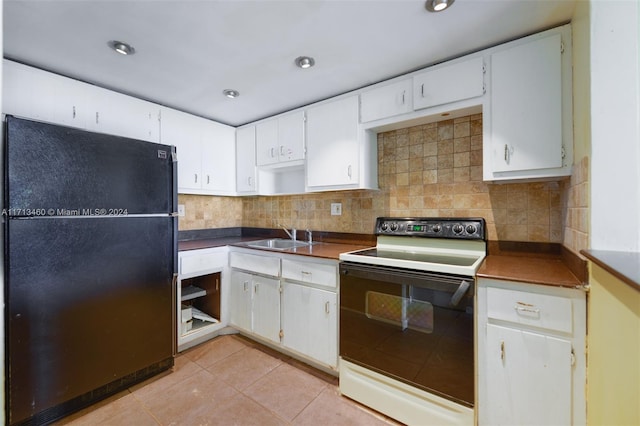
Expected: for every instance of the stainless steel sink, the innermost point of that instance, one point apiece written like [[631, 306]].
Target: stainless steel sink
[[277, 244]]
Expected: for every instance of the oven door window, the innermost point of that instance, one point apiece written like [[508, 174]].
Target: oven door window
[[413, 326]]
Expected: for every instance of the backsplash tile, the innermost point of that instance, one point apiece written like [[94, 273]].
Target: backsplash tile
[[202, 212], [576, 235], [428, 170]]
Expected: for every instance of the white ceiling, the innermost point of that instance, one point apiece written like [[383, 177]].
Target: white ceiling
[[188, 51]]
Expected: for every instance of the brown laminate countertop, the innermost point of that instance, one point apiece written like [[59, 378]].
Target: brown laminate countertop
[[545, 270], [204, 243], [623, 265], [324, 250], [318, 249]]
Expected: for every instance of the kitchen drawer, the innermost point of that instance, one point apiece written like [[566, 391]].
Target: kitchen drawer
[[309, 272], [533, 309], [265, 265], [201, 262]]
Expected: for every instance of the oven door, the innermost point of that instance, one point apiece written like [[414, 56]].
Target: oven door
[[413, 326]]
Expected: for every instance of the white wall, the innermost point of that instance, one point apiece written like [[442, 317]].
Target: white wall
[[615, 125]]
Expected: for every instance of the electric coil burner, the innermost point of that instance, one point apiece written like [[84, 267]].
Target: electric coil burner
[[406, 319]]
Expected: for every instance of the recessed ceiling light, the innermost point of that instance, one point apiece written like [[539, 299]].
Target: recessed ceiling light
[[305, 62], [122, 47], [230, 93], [438, 5]]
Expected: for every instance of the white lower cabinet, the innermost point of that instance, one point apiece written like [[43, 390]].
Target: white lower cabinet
[[309, 322], [265, 308], [202, 295], [255, 294], [295, 310], [531, 354]]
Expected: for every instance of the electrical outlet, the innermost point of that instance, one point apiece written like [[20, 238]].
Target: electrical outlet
[[181, 210], [336, 209]]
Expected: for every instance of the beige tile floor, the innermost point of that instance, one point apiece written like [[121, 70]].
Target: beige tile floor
[[231, 380]]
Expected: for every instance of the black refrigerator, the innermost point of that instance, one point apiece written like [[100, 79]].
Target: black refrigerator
[[90, 255]]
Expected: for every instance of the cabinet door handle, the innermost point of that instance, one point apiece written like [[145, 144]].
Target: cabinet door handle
[[97, 117], [249, 181], [349, 171], [326, 307], [74, 111], [208, 180], [403, 92], [245, 285], [195, 177], [255, 288], [502, 350], [272, 154], [217, 285], [422, 90], [282, 150]]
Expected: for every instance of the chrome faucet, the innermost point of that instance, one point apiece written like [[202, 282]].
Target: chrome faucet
[[291, 234], [310, 236]]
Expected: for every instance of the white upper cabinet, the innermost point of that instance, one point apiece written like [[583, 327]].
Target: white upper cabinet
[[339, 155], [442, 84], [267, 142], [528, 131], [246, 160], [218, 155], [122, 115], [32, 93], [281, 139], [291, 136], [204, 149], [386, 101], [182, 130]]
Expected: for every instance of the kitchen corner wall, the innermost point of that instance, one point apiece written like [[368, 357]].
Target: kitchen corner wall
[[428, 170]]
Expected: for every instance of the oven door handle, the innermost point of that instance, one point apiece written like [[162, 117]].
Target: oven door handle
[[462, 289]]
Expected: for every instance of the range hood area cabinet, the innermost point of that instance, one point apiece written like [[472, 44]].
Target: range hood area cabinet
[[204, 148], [528, 122], [320, 148], [280, 140], [449, 82]]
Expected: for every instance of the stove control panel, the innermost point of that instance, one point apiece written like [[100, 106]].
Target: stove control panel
[[456, 228]]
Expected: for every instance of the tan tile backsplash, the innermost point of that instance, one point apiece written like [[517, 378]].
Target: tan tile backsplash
[[576, 232], [202, 212], [428, 170]]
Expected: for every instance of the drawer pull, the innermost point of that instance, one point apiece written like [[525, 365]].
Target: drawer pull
[[527, 309], [502, 350], [306, 275]]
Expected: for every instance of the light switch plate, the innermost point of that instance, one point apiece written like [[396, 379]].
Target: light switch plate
[[336, 209], [181, 210]]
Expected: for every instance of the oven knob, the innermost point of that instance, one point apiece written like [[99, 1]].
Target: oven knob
[[458, 229], [384, 226], [436, 228], [394, 226], [471, 229]]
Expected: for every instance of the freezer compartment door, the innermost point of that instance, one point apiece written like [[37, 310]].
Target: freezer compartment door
[[59, 171], [90, 300]]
